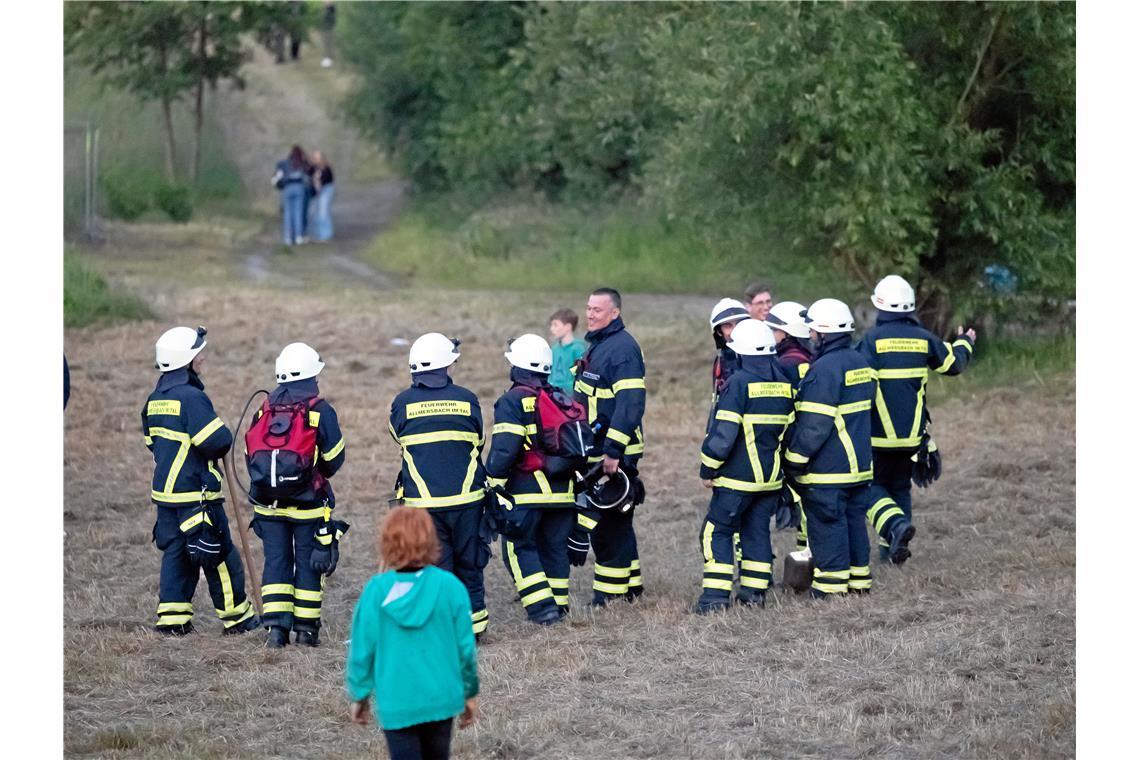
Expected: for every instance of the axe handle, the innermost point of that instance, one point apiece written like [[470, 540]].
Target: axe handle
[[253, 588]]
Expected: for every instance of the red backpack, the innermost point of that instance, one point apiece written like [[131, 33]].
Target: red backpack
[[281, 450], [563, 430]]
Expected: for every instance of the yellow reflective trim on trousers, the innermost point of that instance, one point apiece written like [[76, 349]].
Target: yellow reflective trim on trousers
[[277, 607], [508, 427], [439, 437], [530, 580], [247, 612], [175, 607], [421, 484], [916, 426], [332, 453], [183, 441], [558, 583], [227, 586], [478, 626], [834, 478], [760, 583], [206, 432], [841, 575], [864, 570], [537, 596], [810, 406], [480, 615], [617, 435], [845, 440], [882, 518], [629, 384], [277, 588], [754, 566], [719, 567], [747, 486], [716, 583], [724, 415], [308, 613], [516, 570], [174, 619], [611, 572], [587, 522], [307, 595], [294, 513], [708, 461], [444, 501], [610, 588], [948, 362], [635, 565], [706, 542], [828, 588]]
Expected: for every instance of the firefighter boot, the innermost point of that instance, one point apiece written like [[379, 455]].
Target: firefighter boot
[[901, 535], [249, 624], [176, 630], [278, 637], [308, 638]]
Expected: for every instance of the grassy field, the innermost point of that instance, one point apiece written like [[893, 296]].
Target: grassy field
[[88, 299], [968, 651]]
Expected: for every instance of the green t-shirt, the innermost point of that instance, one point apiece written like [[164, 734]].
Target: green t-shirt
[[565, 354]]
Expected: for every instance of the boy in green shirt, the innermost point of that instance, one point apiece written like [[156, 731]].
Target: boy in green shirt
[[566, 348]]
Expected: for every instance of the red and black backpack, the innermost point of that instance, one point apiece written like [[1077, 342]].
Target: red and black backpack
[[281, 450], [563, 430]]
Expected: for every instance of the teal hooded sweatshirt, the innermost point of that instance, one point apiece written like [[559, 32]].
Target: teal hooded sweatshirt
[[413, 647]]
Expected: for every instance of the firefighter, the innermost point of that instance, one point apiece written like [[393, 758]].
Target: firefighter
[[740, 461], [439, 427], [727, 313], [902, 352], [187, 437], [793, 352], [541, 495], [829, 454], [610, 381], [299, 537]]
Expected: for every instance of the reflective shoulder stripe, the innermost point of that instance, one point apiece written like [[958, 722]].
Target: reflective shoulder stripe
[[948, 362], [332, 453], [314, 419], [440, 436], [811, 406], [629, 384], [903, 374], [618, 436], [857, 406], [508, 427], [206, 432], [708, 461], [725, 415]]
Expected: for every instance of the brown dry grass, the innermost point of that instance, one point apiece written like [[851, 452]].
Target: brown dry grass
[[967, 651]]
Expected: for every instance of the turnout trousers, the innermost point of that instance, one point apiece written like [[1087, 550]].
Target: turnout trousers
[[890, 493], [747, 514], [538, 563], [837, 532], [178, 576], [617, 567], [464, 555], [291, 589]]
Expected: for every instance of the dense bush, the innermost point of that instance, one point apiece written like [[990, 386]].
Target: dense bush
[[88, 299], [129, 191], [175, 200]]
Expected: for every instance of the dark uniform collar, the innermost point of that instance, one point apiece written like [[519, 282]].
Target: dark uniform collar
[[764, 366], [180, 376], [433, 378], [897, 316], [597, 336], [294, 392], [833, 342], [528, 378]]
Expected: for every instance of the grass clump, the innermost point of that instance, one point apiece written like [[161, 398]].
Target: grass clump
[[89, 299]]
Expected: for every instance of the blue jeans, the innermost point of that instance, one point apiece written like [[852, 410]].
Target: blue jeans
[[324, 226], [293, 206]]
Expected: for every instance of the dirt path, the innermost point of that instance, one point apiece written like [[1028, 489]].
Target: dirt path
[[299, 103]]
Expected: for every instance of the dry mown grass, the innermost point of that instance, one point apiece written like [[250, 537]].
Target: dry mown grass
[[967, 651]]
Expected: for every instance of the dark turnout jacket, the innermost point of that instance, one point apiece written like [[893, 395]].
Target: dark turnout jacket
[[610, 382]]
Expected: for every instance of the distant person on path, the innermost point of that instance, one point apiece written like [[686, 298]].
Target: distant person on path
[[325, 189], [412, 645], [328, 24], [758, 298], [292, 179], [565, 347]]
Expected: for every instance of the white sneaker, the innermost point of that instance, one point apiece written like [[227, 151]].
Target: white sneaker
[[326, 63]]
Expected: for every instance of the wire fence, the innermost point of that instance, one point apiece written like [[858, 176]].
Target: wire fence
[[80, 180]]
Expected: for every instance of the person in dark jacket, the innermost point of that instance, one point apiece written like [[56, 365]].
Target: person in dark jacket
[[542, 494], [726, 314], [829, 454], [186, 438], [299, 536], [610, 382], [902, 352], [292, 178], [740, 461], [439, 427]]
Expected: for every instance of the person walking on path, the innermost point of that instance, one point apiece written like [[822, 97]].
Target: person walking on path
[[292, 179], [324, 189], [412, 645]]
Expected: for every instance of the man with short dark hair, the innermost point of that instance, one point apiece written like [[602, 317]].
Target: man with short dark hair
[[758, 299], [610, 382]]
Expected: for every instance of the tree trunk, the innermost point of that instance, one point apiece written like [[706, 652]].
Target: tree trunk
[[168, 130], [196, 157]]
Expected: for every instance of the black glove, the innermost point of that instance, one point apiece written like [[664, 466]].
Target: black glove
[[794, 469], [578, 546], [637, 487], [326, 553], [204, 544], [927, 463], [787, 510], [488, 524]]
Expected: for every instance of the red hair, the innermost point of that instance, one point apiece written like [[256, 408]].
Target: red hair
[[407, 539]]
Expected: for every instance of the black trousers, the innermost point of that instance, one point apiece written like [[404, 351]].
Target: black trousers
[[890, 493], [423, 741], [617, 567], [538, 563], [837, 532], [464, 555], [291, 590], [747, 515]]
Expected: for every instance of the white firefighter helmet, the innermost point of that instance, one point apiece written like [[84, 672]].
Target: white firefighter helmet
[[297, 361], [893, 293], [177, 347], [726, 310], [432, 351], [789, 317], [530, 351], [752, 338], [829, 315]]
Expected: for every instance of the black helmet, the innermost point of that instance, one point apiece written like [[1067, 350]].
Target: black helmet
[[604, 491]]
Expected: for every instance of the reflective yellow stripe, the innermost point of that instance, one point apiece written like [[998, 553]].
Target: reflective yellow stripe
[[421, 484], [175, 607], [708, 461], [895, 443], [183, 441], [496, 482], [480, 615], [513, 566], [586, 522], [716, 583], [184, 497], [314, 419], [725, 415], [149, 440], [206, 432], [856, 406], [277, 588], [836, 574], [332, 453], [916, 426], [719, 567], [278, 606], [634, 448], [610, 588], [629, 384], [706, 542], [543, 483], [845, 440], [767, 419], [168, 619], [443, 501], [965, 344], [747, 485], [884, 413], [306, 595], [909, 373], [442, 435], [227, 587], [558, 583], [611, 572], [595, 392], [293, 513], [750, 582], [246, 612], [308, 613], [617, 435], [469, 478], [811, 406], [508, 427], [537, 596], [795, 458], [948, 362], [753, 565], [835, 477]]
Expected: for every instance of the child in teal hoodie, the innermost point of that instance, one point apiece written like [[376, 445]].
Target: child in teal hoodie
[[565, 348], [412, 644]]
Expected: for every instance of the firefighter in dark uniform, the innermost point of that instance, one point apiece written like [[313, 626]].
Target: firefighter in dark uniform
[[298, 534], [543, 512], [829, 454], [793, 352], [740, 461], [727, 313], [902, 352], [187, 437], [610, 382], [439, 427]]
